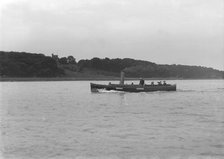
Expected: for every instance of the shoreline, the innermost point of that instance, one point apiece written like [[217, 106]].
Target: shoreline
[[38, 79]]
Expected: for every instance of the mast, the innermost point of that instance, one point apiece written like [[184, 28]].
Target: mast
[[122, 78]]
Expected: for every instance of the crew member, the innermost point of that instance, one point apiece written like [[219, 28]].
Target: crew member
[[142, 82]]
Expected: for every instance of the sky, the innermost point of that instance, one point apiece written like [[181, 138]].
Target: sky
[[189, 32]]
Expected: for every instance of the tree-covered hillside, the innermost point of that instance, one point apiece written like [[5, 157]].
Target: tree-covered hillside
[[112, 65], [20, 64], [139, 68]]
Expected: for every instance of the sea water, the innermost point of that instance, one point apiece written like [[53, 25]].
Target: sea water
[[65, 120]]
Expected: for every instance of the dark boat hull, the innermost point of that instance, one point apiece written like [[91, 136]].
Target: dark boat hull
[[132, 88]]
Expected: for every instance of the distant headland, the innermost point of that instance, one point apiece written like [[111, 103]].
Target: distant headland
[[24, 66]]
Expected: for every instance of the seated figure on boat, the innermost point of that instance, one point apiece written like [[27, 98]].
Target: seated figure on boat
[[141, 82], [152, 83], [164, 83], [159, 83]]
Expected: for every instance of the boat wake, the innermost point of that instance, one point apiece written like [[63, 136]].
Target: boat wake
[[107, 91]]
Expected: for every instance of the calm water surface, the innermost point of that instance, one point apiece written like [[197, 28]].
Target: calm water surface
[[65, 120]]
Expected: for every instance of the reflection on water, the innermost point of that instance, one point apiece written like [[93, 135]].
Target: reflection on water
[[66, 120]]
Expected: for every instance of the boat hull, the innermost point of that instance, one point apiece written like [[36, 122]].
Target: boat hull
[[132, 88]]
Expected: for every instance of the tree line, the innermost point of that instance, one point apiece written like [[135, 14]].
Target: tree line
[[140, 68], [21, 64]]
